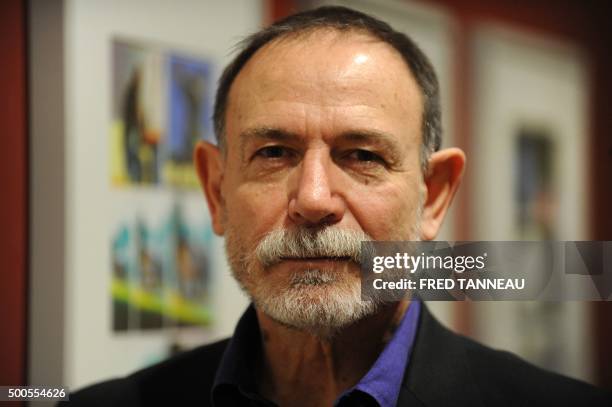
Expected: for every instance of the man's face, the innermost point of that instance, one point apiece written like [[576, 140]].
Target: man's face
[[323, 133]]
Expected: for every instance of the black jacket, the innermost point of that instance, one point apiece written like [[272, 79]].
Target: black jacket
[[445, 369]]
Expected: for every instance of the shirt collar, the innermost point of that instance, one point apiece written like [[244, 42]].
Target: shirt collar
[[384, 379], [382, 382]]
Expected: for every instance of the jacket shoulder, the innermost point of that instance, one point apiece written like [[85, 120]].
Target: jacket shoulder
[[185, 379], [449, 369], [502, 376]]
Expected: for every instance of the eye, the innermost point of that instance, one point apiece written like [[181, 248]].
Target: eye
[[272, 152], [365, 156]]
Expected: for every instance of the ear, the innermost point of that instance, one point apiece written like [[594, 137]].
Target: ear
[[441, 181], [207, 159]]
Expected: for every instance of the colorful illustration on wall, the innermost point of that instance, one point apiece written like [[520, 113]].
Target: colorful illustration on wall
[[188, 117], [161, 107], [160, 268]]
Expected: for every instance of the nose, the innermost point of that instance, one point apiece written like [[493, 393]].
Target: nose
[[315, 200]]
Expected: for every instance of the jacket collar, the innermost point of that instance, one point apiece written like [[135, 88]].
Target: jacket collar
[[438, 373]]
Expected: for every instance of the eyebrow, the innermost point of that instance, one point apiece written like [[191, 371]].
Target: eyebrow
[[382, 140], [267, 133]]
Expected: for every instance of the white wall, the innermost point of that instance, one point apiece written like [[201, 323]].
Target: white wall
[[47, 193], [209, 28]]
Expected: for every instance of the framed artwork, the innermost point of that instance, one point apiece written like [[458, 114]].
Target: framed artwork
[[160, 253], [529, 162], [161, 107], [161, 263]]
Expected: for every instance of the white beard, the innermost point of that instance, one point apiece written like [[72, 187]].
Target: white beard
[[320, 302]]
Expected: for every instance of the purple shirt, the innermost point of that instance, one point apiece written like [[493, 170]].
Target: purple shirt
[[384, 380], [235, 383]]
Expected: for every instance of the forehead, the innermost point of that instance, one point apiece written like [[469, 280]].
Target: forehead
[[329, 77]]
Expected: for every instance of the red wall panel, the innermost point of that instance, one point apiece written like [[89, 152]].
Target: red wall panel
[[13, 193]]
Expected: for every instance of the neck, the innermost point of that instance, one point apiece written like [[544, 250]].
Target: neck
[[298, 367]]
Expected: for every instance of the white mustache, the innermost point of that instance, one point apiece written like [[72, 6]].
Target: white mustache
[[331, 242]]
